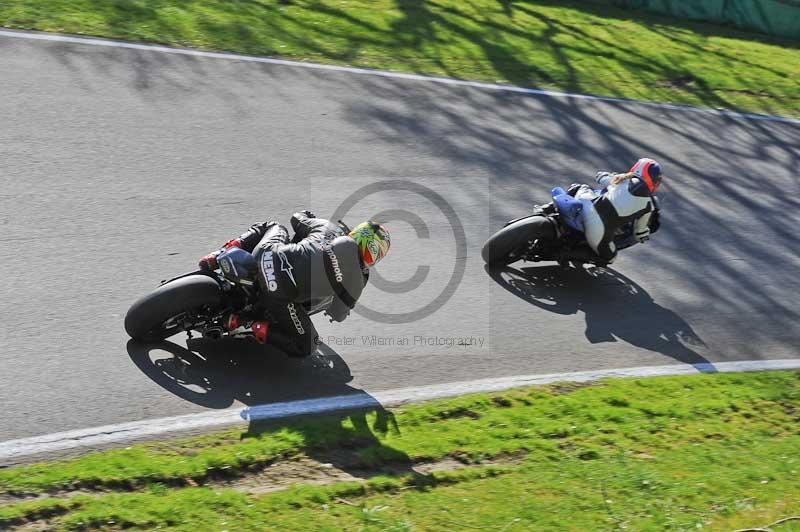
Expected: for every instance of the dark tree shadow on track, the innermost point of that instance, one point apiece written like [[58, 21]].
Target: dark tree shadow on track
[[616, 308], [216, 374]]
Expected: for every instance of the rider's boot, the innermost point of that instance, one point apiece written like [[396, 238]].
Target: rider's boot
[[260, 328], [260, 331]]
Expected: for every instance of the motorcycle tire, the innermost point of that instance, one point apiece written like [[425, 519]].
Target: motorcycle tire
[[148, 318], [502, 246]]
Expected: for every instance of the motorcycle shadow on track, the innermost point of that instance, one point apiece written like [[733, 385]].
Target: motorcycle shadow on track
[[615, 307], [217, 373]]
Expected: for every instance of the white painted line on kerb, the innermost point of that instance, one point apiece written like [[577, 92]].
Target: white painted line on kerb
[[381, 73], [109, 434]]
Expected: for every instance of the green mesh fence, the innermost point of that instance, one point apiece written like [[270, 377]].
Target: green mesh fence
[[774, 17]]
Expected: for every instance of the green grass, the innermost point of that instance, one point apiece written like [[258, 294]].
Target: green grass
[[711, 451], [585, 47]]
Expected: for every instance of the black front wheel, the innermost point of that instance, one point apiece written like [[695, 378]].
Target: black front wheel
[[508, 244], [164, 312]]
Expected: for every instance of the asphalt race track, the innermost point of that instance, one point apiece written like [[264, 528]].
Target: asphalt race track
[[122, 167]]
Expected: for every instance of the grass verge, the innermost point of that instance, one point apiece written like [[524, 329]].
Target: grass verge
[[586, 47], [710, 451]]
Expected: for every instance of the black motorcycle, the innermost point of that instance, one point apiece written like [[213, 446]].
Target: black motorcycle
[[550, 233], [201, 301]]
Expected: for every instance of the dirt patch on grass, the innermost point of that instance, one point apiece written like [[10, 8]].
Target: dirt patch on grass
[[327, 467], [35, 520], [7, 499], [318, 471], [283, 474]]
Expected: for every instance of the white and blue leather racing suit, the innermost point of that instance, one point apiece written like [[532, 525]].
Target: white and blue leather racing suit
[[603, 214]]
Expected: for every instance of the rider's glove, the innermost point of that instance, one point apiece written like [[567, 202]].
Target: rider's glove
[[209, 262], [309, 213], [232, 243]]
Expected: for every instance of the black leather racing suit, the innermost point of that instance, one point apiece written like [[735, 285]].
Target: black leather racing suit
[[319, 268]]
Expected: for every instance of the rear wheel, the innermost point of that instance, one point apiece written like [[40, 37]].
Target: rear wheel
[[506, 245], [164, 312]]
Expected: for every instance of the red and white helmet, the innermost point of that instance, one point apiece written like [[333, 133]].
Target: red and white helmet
[[649, 171]]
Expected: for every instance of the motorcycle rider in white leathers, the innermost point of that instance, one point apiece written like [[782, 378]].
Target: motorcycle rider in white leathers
[[625, 197]]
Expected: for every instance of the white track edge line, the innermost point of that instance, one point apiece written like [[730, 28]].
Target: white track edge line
[[108, 434], [383, 73]]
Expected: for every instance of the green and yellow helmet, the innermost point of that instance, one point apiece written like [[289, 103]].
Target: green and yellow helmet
[[373, 242]]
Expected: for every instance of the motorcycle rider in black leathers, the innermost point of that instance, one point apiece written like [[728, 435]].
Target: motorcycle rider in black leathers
[[321, 267]]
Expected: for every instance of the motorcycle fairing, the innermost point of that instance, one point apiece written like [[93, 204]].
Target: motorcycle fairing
[[238, 266], [569, 208]]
